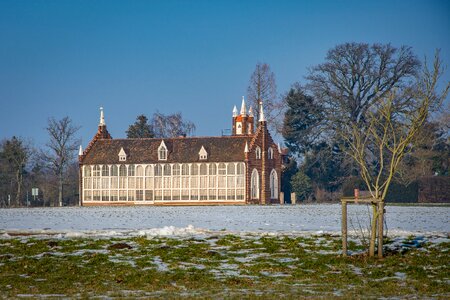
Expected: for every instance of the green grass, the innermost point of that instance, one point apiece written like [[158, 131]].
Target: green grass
[[224, 266]]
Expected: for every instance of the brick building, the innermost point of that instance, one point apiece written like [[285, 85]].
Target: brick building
[[244, 168]]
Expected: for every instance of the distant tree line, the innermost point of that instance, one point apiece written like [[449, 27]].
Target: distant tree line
[[369, 116], [53, 170]]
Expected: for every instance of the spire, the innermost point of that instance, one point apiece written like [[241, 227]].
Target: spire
[[250, 112], [80, 152], [262, 118], [246, 148], [102, 117], [243, 108], [235, 111]]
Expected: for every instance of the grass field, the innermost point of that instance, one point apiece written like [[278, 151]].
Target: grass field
[[218, 266]]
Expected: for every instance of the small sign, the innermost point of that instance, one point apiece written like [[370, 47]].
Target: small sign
[[35, 192]]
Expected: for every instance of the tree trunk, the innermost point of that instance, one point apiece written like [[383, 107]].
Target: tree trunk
[[60, 189], [19, 188], [380, 228], [373, 230]]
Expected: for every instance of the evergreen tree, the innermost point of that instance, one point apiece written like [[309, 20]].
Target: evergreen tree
[[301, 128], [140, 128]]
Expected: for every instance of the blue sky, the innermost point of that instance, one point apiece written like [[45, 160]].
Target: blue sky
[[61, 58]]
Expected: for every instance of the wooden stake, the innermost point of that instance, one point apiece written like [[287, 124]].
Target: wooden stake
[[344, 228]]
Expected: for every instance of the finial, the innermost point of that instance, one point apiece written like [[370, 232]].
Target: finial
[[102, 117], [235, 111], [262, 118], [250, 112], [80, 152], [246, 148], [243, 108]]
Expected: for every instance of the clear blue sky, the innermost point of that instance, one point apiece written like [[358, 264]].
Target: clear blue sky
[[61, 58]]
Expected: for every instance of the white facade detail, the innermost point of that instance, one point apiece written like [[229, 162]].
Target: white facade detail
[[238, 127], [102, 118], [162, 151], [165, 182], [243, 107], [122, 155], [202, 154], [235, 111]]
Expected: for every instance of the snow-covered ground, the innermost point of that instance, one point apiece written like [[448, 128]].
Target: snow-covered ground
[[300, 219]]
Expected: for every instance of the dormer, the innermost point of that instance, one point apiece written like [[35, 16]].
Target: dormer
[[202, 154], [162, 151], [122, 155]]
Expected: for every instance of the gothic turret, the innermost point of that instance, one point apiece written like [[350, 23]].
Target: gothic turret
[[243, 123]]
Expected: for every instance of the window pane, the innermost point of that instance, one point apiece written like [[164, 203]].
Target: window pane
[[230, 169], [212, 169], [131, 170], [203, 169], [122, 170], [105, 170], [149, 170], [167, 170], [139, 171], [114, 170], [176, 169], [222, 169]]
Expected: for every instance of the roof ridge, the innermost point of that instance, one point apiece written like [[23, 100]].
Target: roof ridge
[[184, 138]]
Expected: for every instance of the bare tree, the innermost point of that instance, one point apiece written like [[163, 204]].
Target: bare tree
[[165, 126], [262, 87], [391, 133], [14, 155], [356, 76], [61, 149]]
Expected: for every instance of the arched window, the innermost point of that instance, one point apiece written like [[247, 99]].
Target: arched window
[[254, 185], [87, 171], [240, 168], [139, 171], [96, 171], [273, 184], [105, 170], [149, 170], [212, 169], [167, 170], [114, 170], [122, 170], [270, 153], [258, 152], [131, 170], [162, 151], [158, 170]]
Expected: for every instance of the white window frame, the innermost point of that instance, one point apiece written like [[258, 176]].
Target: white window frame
[[254, 184], [162, 151], [274, 184], [258, 152]]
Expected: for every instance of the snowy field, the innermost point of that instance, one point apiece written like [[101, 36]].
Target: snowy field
[[167, 221]]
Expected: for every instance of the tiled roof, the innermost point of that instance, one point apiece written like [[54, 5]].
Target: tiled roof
[[180, 150]]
